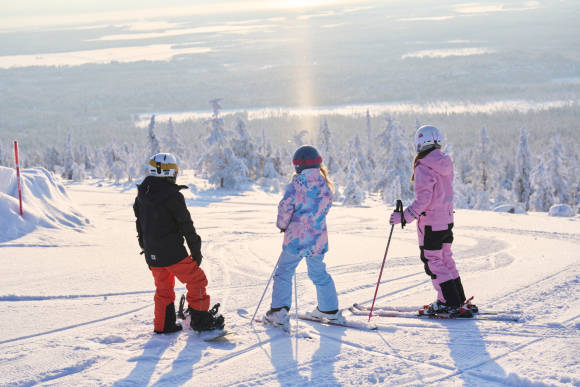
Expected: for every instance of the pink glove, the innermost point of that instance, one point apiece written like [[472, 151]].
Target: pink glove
[[395, 218]]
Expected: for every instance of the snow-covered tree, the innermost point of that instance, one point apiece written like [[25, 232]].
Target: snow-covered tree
[[134, 164], [355, 154], [370, 149], [173, 144], [542, 192], [3, 156], [52, 158], [245, 148], [269, 154], [270, 168], [68, 159], [397, 163], [522, 185], [382, 145], [392, 191], [327, 148], [461, 192], [555, 166], [506, 176], [217, 132], [228, 171], [89, 158], [154, 147], [482, 201], [484, 163], [101, 168], [214, 161], [71, 169], [299, 138], [352, 194]]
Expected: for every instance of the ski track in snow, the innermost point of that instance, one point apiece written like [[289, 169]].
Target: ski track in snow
[[238, 261]]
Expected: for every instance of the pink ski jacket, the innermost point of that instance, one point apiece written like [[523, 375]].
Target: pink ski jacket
[[433, 191]]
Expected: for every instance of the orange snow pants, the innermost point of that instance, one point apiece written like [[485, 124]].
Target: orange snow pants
[[188, 272]]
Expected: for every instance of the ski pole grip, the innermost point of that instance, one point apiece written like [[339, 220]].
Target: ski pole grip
[[399, 208]]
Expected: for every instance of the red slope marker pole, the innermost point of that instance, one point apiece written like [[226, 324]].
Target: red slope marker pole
[[18, 176]]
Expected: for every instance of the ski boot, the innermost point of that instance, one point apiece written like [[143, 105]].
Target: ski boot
[[334, 315], [206, 320], [468, 305], [460, 312], [170, 325], [278, 316], [434, 308]]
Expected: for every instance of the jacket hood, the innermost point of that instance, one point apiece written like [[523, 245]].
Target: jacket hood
[[311, 178], [154, 190], [439, 162]]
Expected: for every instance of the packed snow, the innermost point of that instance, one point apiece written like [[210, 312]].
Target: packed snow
[[77, 298], [45, 199]]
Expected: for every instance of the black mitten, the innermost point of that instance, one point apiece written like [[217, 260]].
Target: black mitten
[[197, 257]]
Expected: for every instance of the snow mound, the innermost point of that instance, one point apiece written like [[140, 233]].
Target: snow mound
[[509, 208], [45, 203], [562, 210]]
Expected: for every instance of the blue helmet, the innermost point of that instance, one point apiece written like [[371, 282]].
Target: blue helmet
[[306, 157]]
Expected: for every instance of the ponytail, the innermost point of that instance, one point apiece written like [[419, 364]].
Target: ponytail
[[418, 157], [326, 175]]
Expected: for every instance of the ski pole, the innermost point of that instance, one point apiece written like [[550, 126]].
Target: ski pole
[[398, 208], [296, 311], [263, 294]]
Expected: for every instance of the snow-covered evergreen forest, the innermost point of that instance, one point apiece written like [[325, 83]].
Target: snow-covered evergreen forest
[[372, 159]]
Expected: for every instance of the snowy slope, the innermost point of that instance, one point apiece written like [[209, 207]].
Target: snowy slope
[[44, 200], [77, 303]]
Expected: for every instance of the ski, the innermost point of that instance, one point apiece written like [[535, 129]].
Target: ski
[[438, 316], [346, 324], [411, 309], [287, 328]]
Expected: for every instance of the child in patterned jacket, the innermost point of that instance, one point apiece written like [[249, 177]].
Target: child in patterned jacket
[[302, 218]]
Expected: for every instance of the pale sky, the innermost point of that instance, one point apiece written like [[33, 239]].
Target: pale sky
[[27, 14]]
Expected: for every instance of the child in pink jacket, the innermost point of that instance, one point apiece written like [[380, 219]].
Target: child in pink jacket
[[433, 209]]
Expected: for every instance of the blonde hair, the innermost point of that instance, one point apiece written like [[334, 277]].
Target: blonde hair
[[325, 174], [415, 161]]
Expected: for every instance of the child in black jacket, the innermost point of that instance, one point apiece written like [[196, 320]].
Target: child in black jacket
[[163, 222]]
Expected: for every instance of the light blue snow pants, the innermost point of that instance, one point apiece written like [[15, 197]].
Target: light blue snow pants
[[325, 289]]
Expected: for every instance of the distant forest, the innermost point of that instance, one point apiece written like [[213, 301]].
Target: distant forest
[[502, 157]]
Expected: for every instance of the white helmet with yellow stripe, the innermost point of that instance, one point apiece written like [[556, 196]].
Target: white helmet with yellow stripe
[[163, 165]]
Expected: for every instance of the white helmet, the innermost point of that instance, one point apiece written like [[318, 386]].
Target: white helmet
[[427, 137], [163, 165]]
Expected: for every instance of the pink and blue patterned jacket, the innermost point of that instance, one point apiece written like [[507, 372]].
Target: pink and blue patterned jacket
[[302, 213]]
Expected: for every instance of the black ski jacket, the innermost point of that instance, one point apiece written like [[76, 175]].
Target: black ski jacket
[[163, 221]]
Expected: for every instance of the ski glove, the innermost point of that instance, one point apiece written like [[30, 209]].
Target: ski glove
[[197, 257], [396, 217]]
